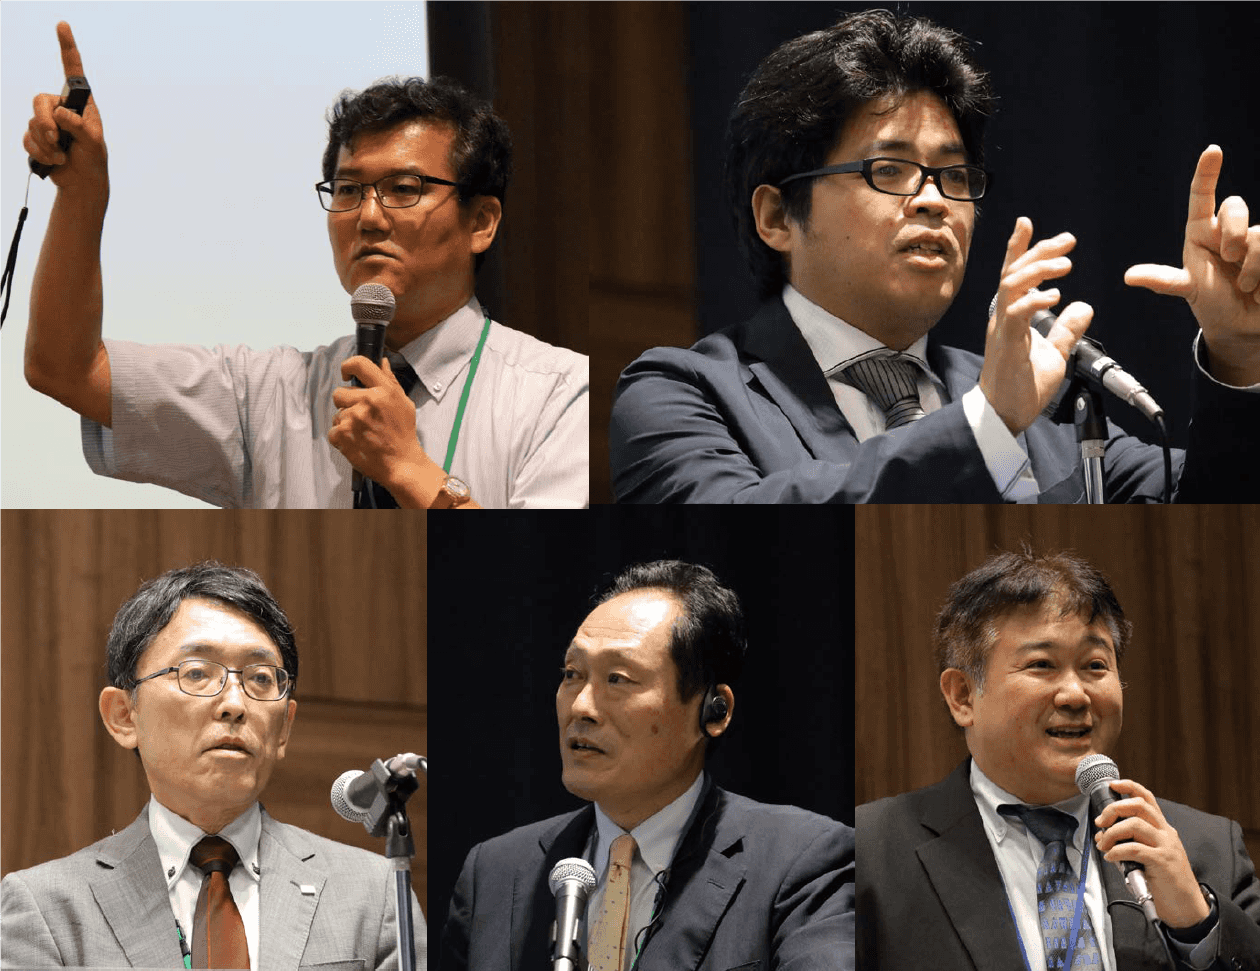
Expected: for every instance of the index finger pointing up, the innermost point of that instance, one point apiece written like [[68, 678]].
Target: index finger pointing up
[[70, 59], [1203, 185]]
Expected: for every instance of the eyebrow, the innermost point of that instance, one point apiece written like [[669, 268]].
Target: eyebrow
[[351, 171], [616, 655], [203, 647], [897, 145], [1091, 639]]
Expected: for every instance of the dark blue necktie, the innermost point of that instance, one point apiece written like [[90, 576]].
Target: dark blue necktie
[[375, 495], [1057, 889]]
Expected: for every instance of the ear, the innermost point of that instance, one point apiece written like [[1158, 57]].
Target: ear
[[487, 211], [118, 714], [290, 712], [959, 695], [771, 219], [714, 729]]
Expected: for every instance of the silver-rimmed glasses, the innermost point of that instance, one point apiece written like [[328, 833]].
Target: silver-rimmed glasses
[[205, 679]]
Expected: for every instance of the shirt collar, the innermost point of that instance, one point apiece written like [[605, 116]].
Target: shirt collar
[[655, 838], [835, 343], [441, 352], [175, 837], [989, 795]]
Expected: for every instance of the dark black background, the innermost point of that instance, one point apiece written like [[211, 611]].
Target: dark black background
[[1103, 110], [506, 593]]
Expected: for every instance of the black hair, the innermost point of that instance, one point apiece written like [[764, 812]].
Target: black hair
[[481, 152], [151, 608], [966, 628], [791, 113], [708, 640]]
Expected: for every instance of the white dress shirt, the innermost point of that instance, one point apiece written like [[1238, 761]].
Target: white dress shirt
[[175, 837], [835, 344], [655, 840], [240, 428]]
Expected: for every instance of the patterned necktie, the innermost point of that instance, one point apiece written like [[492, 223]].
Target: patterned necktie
[[1057, 888], [218, 931], [606, 945], [375, 495], [890, 379]]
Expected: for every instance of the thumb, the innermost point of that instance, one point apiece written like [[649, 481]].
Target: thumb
[[1070, 327], [1167, 280]]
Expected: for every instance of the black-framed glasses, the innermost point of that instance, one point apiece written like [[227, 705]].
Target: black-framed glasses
[[901, 177], [394, 191], [205, 679]]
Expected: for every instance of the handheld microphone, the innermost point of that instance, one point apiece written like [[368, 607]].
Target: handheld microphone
[[1093, 777], [571, 882], [1093, 363], [372, 308], [354, 792]]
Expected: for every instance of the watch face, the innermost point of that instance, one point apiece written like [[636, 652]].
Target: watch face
[[457, 489]]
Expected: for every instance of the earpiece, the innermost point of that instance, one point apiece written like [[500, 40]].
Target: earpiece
[[714, 708]]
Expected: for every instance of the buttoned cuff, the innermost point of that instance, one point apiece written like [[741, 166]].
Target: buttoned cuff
[[1006, 461]]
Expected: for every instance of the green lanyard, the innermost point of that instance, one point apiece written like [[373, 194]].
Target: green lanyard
[[463, 398]]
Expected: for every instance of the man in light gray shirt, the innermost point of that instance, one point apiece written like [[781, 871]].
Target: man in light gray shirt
[[462, 413]]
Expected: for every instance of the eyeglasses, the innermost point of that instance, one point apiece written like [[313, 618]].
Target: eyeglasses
[[205, 679], [394, 191], [900, 177]]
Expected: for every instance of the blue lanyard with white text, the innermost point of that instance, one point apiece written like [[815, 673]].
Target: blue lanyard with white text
[[1076, 916]]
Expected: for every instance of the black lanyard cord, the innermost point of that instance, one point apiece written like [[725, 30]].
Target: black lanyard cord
[[6, 281]]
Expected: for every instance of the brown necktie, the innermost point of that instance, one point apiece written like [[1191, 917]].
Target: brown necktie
[[218, 931], [607, 945]]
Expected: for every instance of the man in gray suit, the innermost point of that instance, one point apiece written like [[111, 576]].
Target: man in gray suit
[[208, 743]]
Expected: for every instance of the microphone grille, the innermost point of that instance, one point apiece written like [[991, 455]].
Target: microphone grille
[[339, 801], [1095, 769], [573, 868], [372, 302]]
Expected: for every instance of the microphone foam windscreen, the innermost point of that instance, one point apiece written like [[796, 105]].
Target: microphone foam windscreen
[[372, 302], [573, 868], [1092, 770]]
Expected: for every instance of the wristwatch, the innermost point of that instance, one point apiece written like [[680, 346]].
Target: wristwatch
[[453, 494]]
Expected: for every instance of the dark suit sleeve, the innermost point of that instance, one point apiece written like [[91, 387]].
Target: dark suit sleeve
[[459, 918], [684, 429], [813, 924], [1239, 904]]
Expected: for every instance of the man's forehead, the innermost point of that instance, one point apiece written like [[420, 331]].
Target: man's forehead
[[409, 141], [209, 627], [917, 123], [1049, 624]]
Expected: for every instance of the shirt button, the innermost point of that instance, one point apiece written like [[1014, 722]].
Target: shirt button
[[437, 385]]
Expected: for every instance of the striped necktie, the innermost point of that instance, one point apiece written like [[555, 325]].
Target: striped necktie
[[1057, 888], [890, 379], [606, 946], [218, 931], [375, 495]]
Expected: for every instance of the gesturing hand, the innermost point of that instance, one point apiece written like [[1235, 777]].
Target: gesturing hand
[[1220, 276], [1022, 370]]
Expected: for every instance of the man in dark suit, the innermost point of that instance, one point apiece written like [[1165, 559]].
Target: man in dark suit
[[716, 881], [855, 164], [202, 664], [967, 874]]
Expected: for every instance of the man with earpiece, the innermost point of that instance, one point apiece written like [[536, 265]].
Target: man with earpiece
[[686, 875]]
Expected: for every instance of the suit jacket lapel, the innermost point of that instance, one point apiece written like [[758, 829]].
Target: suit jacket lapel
[[131, 893], [533, 906], [708, 871], [960, 866], [785, 367], [286, 912]]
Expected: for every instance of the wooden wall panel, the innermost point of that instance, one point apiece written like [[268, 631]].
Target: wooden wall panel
[[353, 587], [1187, 578], [642, 246]]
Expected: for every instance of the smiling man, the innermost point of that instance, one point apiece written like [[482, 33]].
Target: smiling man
[[462, 412], [688, 876], [855, 168], [991, 868], [203, 667]]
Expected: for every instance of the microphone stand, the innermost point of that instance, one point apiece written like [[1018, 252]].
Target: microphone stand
[[388, 818], [1091, 433]]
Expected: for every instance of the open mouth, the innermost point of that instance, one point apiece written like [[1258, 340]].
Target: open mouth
[[581, 745], [229, 747], [926, 249], [1069, 732]]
